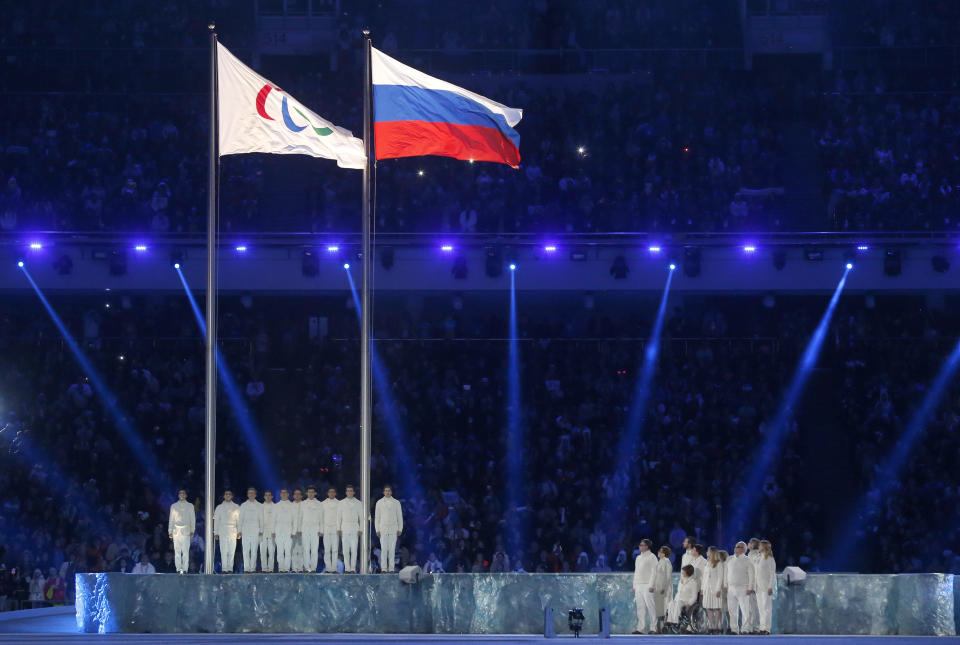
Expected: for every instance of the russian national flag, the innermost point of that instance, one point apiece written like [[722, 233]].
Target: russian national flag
[[415, 114]]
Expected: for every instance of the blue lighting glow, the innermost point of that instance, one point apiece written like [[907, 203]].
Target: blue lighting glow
[[516, 531], [242, 248], [333, 248], [749, 248], [36, 246], [863, 247], [550, 248], [513, 267], [346, 265], [849, 265], [654, 249], [140, 248], [176, 265], [673, 266], [446, 248], [20, 264]]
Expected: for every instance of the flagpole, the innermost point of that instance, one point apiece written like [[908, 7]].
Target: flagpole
[[366, 399], [210, 421]]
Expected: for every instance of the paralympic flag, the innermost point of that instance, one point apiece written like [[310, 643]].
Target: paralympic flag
[[257, 116], [416, 114]]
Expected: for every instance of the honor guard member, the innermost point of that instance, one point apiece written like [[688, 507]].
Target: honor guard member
[[251, 528], [297, 551], [644, 581], [226, 520], [741, 584], [331, 530], [268, 544], [284, 529], [388, 522], [182, 527], [351, 528], [311, 525]]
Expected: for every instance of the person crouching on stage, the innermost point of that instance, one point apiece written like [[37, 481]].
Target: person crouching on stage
[[711, 586], [663, 585], [644, 579], [686, 597], [766, 581]]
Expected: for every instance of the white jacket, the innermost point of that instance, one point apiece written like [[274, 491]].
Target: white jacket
[[310, 516], [387, 515], [766, 574], [351, 515], [687, 591], [741, 572], [183, 519], [663, 580], [251, 517], [226, 518], [284, 518], [268, 517], [712, 580], [331, 516], [644, 571], [699, 564]]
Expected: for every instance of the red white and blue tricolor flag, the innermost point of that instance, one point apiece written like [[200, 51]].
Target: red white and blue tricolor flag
[[415, 114]]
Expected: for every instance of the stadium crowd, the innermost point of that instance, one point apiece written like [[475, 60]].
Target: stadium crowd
[[439, 440]]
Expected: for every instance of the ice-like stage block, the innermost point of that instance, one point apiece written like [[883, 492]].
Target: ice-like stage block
[[920, 604]]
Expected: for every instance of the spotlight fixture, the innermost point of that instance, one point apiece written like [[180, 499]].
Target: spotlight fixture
[[550, 248], [333, 248], [654, 248], [749, 248], [513, 267], [459, 269], [673, 266], [176, 265], [863, 247], [575, 620], [849, 266], [940, 264], [242, 248], [447, 248], [619, 268], [310, 266], [892, 262], [691, 261], [386, 257], [346, 265], [35, 246], [494, 261], [779, 259], [20, 263], [140, 248]]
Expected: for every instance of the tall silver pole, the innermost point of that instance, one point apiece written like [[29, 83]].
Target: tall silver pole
[[366, 399], [210, 422]]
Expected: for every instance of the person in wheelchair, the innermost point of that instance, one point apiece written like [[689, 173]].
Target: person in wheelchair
[[684, 606]]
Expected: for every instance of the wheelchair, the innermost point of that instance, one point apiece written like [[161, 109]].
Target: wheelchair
[[692, 621]]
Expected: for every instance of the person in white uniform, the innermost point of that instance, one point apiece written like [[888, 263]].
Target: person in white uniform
[[688, 554], [251, 530], [724, 614], [388, 523], [181, 527], [753, 554], [711, 586], [644, 580], [268, 544], [741, 584], [296, 557], [687, 591], [663, 585], [311, 526], [699, 563], [351, 528], [284, 528], [331, 530], [766, 582], [226, 520]]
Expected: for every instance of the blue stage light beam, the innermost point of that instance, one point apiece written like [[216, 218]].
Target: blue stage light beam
[[266, 469], [141, 452], [630, 436], [407, 468], [889, 474], [516, 531], [744, 502]]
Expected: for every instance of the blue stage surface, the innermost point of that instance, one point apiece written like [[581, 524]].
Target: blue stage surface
[[827, 604]]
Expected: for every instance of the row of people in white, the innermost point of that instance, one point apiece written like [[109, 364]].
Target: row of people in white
[[741, 585], [288, 533]]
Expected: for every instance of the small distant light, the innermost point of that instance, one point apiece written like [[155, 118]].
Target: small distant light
[[749, 248], [471, 160], [121, 357], [686, 148], [581, 150], [673, 266], [176, 265], [107, 305], [107, 289], [863, 247], [446, 248], [36, 246], [513, 267], [654, 249], [140, 248], [346, 265], [420, 172], [241, 249], [849, 265], [550, 248], [333, 248], [20, 264]]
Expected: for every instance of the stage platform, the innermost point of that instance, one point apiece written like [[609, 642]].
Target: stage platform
[[826, 604]]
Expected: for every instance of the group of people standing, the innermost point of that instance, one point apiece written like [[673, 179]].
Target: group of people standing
[[740, 586], [287, 534]]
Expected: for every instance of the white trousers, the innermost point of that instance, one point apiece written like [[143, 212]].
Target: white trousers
[[331, 547], [646, 609], [738, 602], [268, 553], [765, 606], [349, 540], [251, 543], [181, 553], [311, 550], [228, 548], [388, 549], [296, 552], [754, 613], [284, 552]]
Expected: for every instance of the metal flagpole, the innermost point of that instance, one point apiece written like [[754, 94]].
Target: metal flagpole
[[366, 400], [210, 424]]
